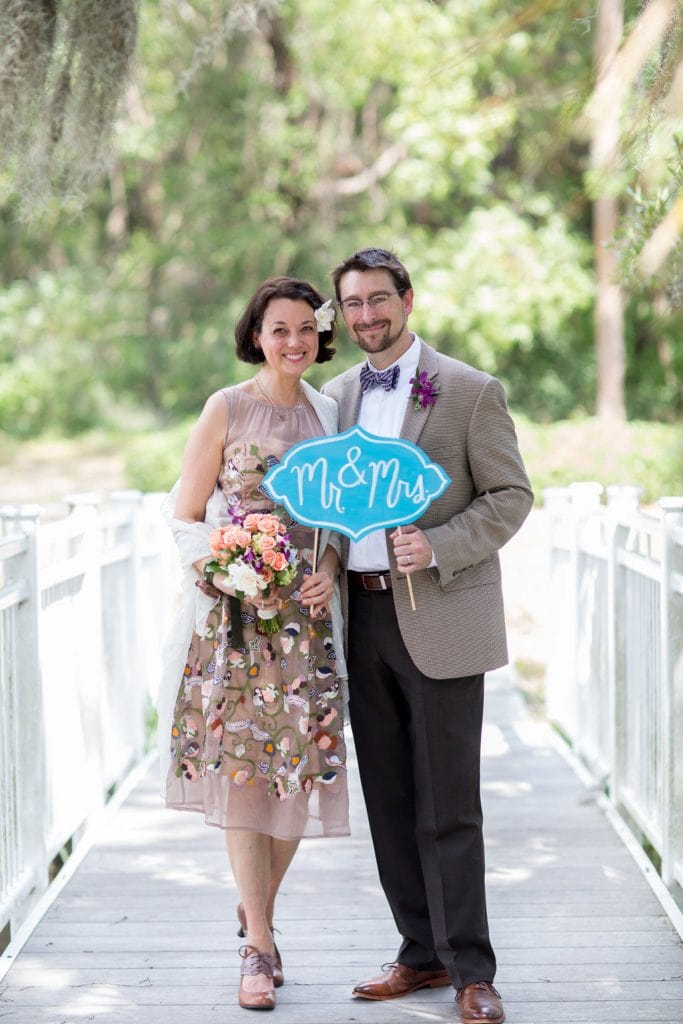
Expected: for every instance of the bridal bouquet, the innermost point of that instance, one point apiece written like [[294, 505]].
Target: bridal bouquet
[[255, 553]]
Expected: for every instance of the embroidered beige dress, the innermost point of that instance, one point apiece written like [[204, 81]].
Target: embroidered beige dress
[[257, 738]]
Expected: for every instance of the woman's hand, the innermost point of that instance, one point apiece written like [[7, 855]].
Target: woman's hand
[[316, 592]]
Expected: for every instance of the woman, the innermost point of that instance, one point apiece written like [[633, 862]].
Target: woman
[[256, 721]]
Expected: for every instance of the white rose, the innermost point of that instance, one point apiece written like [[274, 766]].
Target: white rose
[[243, 577], [324, 315]]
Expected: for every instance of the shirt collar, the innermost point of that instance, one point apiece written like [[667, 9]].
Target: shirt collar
[[408, 361]]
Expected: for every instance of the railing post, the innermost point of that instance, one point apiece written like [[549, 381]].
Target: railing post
[[622, 500], [27, 695], [559, 674], [585, 499], [131, 502], [87, 506], [671, 624]]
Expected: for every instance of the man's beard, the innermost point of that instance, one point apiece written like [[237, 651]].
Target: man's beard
[[381, 344]]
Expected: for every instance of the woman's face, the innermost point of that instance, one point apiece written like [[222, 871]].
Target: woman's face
[[289, 336]]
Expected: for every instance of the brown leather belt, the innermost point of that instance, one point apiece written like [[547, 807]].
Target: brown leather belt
[[375, 581]]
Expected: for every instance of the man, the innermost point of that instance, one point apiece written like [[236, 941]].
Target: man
[[416, 677]]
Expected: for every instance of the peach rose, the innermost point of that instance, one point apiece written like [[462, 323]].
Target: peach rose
[[228, 534], [242, 538], [269, 558], [268, 524], [251, 521], [267, 575], [279, 561], [266, 542]]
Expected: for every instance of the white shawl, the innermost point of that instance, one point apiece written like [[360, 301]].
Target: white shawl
[[192, 540]]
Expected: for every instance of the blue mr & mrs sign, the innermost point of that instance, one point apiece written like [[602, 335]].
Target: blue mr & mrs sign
[[355, 482]]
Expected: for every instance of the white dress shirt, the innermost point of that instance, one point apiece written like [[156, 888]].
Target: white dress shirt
[[381, 412]]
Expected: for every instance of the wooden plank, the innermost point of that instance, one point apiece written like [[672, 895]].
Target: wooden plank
[[125, 929], [69, 971], [381, 1013], [301, 990], [658, 959], [145, 907]]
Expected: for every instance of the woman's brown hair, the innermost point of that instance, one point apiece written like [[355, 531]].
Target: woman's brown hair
[[251, 321]]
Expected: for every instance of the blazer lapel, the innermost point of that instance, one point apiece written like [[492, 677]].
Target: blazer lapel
[[349, 409], [415, 419]]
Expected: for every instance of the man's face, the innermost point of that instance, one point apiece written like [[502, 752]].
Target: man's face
[[378, 326]]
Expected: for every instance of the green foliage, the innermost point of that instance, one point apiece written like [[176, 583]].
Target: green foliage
[[278, 145], [153, 459], [648, 208], [648, 455]]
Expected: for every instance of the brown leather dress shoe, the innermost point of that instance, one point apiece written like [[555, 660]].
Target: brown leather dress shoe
[[479, 1003], [400, 980], [278, 974], [256, 962]]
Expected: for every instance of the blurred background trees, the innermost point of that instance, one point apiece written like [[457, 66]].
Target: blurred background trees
[[276, 137]]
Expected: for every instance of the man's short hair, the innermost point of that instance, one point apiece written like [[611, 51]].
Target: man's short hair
[[373, 259]]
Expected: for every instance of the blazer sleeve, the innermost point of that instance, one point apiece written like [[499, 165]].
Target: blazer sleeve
[[503, 495]]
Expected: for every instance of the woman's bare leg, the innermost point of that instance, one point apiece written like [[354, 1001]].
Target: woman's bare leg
[[250, 857], [281, 853]]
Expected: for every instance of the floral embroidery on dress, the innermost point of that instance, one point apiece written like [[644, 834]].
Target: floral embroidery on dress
[[267, 713]]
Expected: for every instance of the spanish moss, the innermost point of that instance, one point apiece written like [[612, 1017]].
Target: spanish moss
[[64, 66]]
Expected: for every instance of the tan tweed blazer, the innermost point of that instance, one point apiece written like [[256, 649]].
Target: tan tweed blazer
[[458, 628]]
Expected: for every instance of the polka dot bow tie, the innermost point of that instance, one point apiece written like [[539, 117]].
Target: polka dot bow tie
[[386, 379]]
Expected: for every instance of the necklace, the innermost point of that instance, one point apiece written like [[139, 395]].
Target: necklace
[[281, 411]]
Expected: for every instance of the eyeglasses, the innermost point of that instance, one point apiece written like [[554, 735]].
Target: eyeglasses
[[374, 302]]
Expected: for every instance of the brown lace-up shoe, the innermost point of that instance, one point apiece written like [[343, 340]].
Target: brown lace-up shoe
[[479, 1003], [256, 962], [278, 973], [399, 980]]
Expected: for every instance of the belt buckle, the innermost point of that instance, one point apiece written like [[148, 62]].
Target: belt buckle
[[382, 581]]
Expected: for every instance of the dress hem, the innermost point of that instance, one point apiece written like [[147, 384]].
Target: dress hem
[[245, 828]]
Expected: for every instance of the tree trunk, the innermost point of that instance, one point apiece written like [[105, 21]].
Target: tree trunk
[[609, 314]]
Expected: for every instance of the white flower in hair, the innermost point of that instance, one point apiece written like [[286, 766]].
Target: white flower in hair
[[324, 315]]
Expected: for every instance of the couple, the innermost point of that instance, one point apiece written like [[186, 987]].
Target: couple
[[256, 717]]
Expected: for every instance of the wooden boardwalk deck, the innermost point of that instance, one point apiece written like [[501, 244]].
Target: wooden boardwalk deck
[[144, 931]]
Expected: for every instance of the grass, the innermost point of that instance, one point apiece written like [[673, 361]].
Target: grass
[[649, 455]]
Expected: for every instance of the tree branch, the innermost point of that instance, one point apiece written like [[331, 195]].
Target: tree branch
[[365, 179]]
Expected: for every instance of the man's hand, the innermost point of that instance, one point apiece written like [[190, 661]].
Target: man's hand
[[412, 550]]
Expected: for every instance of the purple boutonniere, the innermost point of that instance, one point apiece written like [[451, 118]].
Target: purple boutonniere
[[424, 391]]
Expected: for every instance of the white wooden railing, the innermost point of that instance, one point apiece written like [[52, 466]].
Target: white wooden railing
[[86, 601], [615, 663], [84, 604]]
